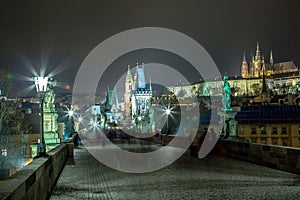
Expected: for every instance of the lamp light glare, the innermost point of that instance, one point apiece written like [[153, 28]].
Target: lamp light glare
[[168, 111], [41, 83], [70, 113]]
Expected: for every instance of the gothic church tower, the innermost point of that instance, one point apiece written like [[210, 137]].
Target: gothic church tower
[[244, 68], [127, 94]]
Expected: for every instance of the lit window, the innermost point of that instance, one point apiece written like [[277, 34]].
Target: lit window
[[284, 142], [263, 130], [24, 151], [274, 130], [253, 130], [4, 139], [274, 142], [263, 141], [241, 130], [4, 152], [283, 130]]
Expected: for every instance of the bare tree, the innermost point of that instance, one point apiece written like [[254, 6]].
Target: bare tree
[[5, 83]]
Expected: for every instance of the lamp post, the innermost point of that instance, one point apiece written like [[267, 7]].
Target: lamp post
[[70, 113], [139, 123], [41, 88], [168, 111]]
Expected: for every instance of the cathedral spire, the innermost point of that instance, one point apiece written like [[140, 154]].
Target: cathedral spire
[[257, 56], [271, 58], [244, 68], [128, 76]]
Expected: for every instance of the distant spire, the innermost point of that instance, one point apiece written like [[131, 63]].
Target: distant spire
[[128, 76], [135, 77], [244, 58], [271, 58], [141, 80], [244, 68], [257, 56], [150, 85]]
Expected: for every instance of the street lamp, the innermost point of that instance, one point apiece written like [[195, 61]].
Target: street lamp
[[69, 123], [70, 113], [168, 111], [41, 88]]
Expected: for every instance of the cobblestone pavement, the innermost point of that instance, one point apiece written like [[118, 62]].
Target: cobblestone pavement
[[188, 178]]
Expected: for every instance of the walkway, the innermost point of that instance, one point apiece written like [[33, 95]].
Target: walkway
[[187, 178]]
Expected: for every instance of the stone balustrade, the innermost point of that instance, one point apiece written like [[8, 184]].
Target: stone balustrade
[[36, 180], [278, 157]]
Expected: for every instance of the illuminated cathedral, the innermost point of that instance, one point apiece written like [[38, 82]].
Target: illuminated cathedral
[[259, 67]]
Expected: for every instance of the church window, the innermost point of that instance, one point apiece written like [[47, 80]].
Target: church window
[[24, 151]]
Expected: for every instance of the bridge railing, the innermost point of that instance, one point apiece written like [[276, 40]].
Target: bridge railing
[[37, 180], [278, 157], [274, 156]]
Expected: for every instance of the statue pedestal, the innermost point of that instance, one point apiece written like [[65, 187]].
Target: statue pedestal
[[229, 124]]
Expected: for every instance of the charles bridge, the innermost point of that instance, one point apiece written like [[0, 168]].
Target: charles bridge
[[233, 170]]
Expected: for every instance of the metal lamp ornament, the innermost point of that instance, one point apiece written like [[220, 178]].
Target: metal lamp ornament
[[41, 84]]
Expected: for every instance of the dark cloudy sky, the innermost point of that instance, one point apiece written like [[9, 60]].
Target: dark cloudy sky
[[60, 33]]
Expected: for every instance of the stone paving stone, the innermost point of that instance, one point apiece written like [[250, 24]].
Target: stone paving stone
[[187, 178]]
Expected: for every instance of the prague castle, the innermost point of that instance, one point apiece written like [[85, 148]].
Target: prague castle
[[258, 66], [281, 78]]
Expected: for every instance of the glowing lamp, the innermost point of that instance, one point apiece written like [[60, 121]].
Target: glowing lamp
[[41, 83]]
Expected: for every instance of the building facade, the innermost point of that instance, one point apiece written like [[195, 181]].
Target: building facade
[[275, 125]]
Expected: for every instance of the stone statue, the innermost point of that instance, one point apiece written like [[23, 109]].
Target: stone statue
[[49, 100], [226, 100], [233, 127], [151, 115]]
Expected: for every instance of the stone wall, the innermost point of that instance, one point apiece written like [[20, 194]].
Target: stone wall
[[278, 157], [36, 180]]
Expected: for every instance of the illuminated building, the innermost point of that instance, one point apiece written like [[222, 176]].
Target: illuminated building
[[127, 94], [141, 97], [277, 125], [258, 65], [281, 78], [112, 109]]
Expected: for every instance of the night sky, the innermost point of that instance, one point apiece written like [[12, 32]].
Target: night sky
[[59, 34]]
